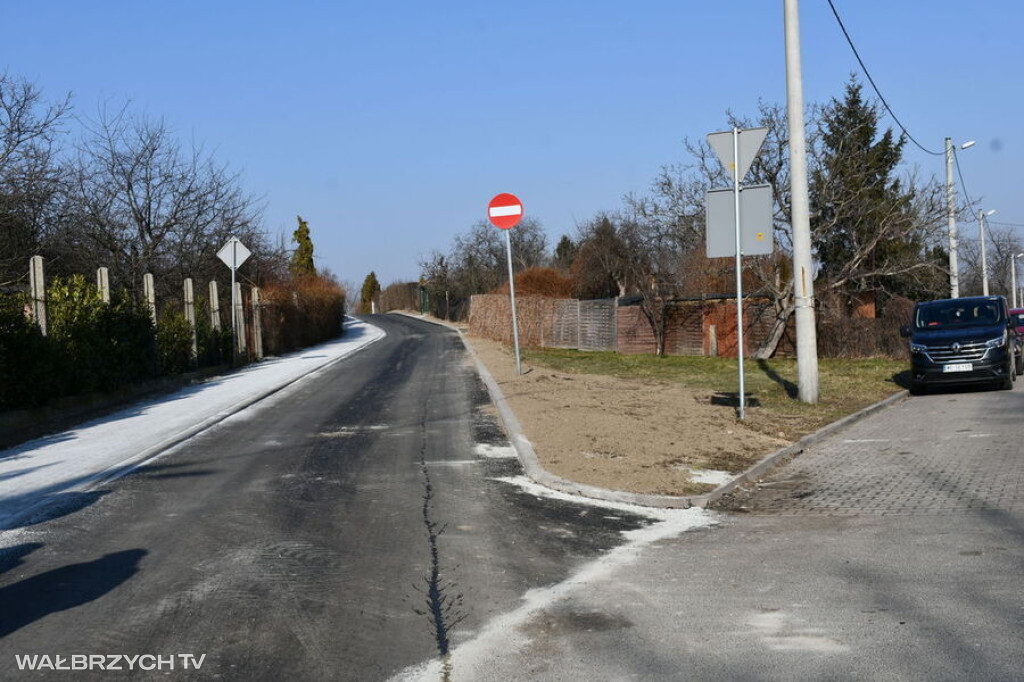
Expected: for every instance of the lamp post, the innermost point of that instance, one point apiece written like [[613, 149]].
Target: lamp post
[[954, 265], [984, 263], [1013, 275]]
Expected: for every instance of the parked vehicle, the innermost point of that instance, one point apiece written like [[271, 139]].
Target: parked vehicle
[[1017, 317], [963, 341]]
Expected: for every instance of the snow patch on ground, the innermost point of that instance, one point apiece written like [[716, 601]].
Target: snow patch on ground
[[494, 451], [77, 459], [537, 490], [711, 476]]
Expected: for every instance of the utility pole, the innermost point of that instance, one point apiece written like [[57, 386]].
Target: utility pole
[[954, 244], [1013, 277], [984, 263], [954, 266], [803, 272]]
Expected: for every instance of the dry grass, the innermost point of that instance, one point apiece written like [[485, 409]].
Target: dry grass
[[845, 386]]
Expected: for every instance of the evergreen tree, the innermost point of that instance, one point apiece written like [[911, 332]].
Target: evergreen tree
[[302, 260], [371, 287], [864, 220], [565, 253]]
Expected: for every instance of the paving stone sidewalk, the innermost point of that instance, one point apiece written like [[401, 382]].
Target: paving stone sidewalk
[[900, 462]]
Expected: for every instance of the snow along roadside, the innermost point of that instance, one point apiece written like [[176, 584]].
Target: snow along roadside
[[38, 473]]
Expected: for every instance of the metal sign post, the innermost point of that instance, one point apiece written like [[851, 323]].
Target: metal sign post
[[739, 265], [737, 153], [505, 211], [233, 254]]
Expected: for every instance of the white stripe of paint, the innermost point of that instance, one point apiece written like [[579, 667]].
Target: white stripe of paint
[[499, 211]]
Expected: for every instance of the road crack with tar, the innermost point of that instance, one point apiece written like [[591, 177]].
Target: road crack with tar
[[443, 601]]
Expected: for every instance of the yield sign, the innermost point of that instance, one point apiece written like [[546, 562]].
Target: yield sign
[[233, 253], [749, 141], [505, 211]]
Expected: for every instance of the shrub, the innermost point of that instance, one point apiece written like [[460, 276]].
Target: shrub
[[28, 375], [174, 339], [214, 345], [302, 312]]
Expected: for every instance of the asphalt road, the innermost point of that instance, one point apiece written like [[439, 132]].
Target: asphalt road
[[346, 528]]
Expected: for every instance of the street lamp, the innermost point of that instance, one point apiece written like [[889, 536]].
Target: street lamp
[[1013, 275], [981, 235], [954, 266]]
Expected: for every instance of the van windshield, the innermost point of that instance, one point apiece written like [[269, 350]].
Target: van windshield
[[958, 313]]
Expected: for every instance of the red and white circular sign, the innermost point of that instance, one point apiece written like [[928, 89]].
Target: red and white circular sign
[[505, 211]]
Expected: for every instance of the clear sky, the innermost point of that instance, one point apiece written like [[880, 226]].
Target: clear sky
[[390, 125]]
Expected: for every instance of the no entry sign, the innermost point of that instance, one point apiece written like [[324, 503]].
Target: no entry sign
[[505, 211]]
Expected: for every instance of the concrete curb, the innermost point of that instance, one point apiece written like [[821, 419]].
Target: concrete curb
[[154, 452], [534, 469]]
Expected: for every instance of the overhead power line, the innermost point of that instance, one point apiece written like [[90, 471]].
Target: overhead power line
[[875, 87], [963, 186]]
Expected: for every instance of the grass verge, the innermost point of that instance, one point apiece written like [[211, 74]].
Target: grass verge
[[773, 407]]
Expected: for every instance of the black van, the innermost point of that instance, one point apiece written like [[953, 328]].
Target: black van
[[962, 341]]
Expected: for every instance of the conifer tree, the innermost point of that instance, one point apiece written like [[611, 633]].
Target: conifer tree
[[868, 233], [371, 287], [302, 260]]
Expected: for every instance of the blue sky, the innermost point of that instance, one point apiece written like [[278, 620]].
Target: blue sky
[[389, 125]]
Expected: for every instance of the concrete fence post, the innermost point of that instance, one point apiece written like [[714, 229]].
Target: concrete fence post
[[190, 315], [239, 317], [103, 283], [214, 306], [150, 295], [580, 331], [257, 324], [38, 284]]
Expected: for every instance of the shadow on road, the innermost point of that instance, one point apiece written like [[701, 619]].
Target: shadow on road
[[40, 507], [64, 588], [12, 557]]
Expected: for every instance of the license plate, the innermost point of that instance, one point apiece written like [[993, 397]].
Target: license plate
[[965, 367]]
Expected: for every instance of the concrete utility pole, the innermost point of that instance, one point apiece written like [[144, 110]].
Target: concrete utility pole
[[1013, 276], [954, 245], [984, 262], [954, 265], [803, 272]]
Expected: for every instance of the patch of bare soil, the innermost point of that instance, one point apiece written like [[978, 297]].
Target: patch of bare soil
[[623, 434]]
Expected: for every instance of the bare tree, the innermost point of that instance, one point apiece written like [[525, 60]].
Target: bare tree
[[478, 258], [30, 175], [868, 240], [146, 204], [1001, 244]]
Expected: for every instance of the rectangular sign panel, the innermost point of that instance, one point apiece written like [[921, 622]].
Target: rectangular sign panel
[[756, 234]]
